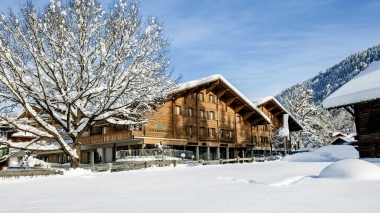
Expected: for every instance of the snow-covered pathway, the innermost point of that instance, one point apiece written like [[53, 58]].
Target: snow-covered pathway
[[266, 187]]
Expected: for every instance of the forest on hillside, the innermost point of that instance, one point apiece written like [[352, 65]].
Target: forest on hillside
[[304, 100]]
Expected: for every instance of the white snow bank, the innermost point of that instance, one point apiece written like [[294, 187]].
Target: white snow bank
[[77, 172], [351, 169], [325, 154]]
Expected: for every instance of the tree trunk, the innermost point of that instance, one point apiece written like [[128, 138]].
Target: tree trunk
[[75, 162]]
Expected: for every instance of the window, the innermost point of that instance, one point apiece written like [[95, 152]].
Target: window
[[231, 134], [202, 131], [3, 135], [190, 112], [211, 115], [201, 113], [211, 98], [189, 130], [200, 97], [177, 110], [238, 119], [211, 132], [222, 133]]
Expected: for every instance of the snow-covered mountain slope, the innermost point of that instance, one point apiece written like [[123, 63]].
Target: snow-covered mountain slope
[[337, 75]]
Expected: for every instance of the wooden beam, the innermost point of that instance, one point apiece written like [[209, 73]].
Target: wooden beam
[[349, 110], [211, 87], [369, 117], [247, 114], [271, 108], [230, 100], [189, 92], [179, 94], [276, 114], [239, 107], [201, 88], [255, 121], [221, 92]]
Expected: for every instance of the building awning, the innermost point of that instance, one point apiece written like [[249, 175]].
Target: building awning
[[128, 142], [167, 141]]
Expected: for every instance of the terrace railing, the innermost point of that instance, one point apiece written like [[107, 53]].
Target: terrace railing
[[118, 136]]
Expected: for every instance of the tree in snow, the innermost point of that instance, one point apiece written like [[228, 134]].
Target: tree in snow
[[77, 64], [163, 149], [315, 120]]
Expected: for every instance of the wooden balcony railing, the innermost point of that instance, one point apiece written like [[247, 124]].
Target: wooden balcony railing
[[227, 139], [118, 136], [208, 138]]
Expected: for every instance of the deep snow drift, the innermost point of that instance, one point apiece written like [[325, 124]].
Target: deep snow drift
[[275, 186], [325, 154], [353, 169]]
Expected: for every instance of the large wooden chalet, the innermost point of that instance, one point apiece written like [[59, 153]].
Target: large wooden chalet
[[208, 116], [361, 97]]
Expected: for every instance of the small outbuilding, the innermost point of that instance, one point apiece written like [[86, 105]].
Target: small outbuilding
[[361, 97]]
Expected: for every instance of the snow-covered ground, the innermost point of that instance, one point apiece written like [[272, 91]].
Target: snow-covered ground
[[276, 186]]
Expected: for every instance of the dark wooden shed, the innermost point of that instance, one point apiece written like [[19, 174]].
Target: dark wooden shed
[[361, 97]]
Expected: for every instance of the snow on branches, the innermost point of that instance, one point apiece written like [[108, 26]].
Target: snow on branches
[[80, 64], [315, 120]]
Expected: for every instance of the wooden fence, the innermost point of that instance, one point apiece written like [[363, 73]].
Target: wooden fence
[[28, 173], [134, 165]]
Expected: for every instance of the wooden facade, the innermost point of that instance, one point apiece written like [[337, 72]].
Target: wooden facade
[[263, 133], [367, 121], [210, 118]]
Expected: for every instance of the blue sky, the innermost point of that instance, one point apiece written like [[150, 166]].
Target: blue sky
[[261, 47]]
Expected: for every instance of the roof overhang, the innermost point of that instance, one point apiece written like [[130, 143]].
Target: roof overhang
[[277, 109], [223, 88]]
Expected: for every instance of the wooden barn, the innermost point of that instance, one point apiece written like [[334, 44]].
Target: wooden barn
[[361, 97]]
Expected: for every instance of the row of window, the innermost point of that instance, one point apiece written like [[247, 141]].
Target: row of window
[[201, 97], [261, 139], [211, 132], [202, 114], [266, 128]]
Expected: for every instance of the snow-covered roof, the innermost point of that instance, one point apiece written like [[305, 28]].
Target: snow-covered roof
[[212, 78], [334, 134], [23, 134], [260, 101], [343, 138], [363, 87]]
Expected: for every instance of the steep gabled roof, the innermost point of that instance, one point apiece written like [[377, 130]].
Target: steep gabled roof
[[277, 109], [224, 89], [363, 87]]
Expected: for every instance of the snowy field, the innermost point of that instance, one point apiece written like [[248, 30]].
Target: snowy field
[[278, 186]]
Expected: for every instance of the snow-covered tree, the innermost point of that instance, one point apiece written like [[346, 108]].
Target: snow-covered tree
[[315, 120], [76, 63]]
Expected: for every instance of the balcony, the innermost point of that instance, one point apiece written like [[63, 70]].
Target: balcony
[[207, 138], [227, 139], [117, 136]]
